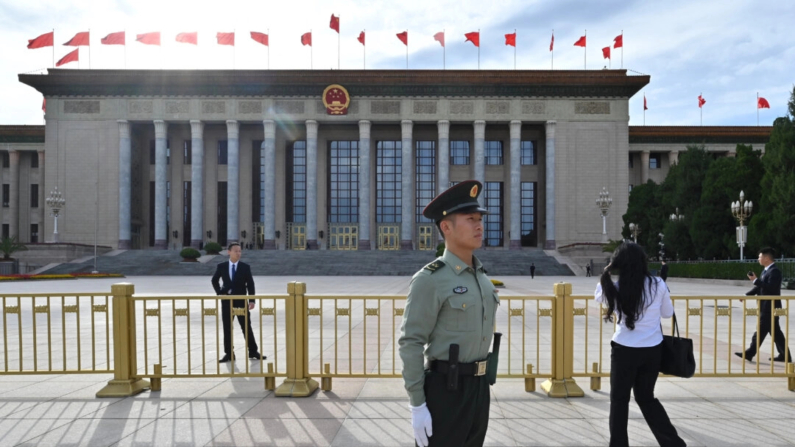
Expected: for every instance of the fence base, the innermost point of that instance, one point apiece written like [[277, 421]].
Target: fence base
[[791, 379], [296, 388], [124, 388], [562, 388]]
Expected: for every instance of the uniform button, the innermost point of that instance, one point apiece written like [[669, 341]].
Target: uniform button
[[464, 306], [484, 318], [484, 338]]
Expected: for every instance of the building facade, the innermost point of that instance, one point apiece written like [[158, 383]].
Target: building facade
[[333, 159]]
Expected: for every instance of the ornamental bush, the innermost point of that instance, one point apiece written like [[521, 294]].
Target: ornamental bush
[[213, 248], [440, 249], [710, 270], [190, 253]]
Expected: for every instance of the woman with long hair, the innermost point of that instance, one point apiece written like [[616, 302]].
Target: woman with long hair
[[638, 301]]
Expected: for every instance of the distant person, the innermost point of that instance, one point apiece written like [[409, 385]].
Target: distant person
[[639, 301], [587, 270], [664, 271], [768, 285], [532, 271], [237, 280]]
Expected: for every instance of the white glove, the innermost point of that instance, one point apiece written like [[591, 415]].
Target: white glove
[[421, 423]]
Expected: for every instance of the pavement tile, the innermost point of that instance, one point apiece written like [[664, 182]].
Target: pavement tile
[[375, 432], [554, 432], [641, 435], [332, 404], [176, 432], [738, 432], [15, 431], [279, 432], [216, 408], [87, 432]]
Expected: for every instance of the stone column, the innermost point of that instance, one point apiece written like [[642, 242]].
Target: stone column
[[443, 175], [673, 158], [42, 204], [515, 198], [364, 185], [480, 152], [13, 201], [161, 238], [196, 183], [125, 185], [549, 244], [311, 184], [269, 186], [232, 181], [406, 180], [644, 167]]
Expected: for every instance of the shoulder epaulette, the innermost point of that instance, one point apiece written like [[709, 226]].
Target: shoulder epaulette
[[434, 266]]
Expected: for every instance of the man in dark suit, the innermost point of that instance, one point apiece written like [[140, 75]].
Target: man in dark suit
[[237, 280], [768, 285]]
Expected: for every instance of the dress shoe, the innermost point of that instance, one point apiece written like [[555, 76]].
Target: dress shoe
[[257, 356], [778, 359], [747, 357], [226, 358]]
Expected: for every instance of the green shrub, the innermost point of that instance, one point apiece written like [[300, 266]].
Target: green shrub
[[213, 248], [709, 270], [440, 249], [190, 253], [497, 283]]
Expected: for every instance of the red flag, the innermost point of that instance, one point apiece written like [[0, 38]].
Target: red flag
[[701, 101], [71, 57], [580, 42], [306, 39], [335, 23], [606, 52], [439, 37], [618, 42], [260, 37], [404, 37], [552, 42], [149, 38], [113, 39], [762, 103], [645, 107], [44, 105], [188, 38], [473, 37], [510, 39], [225, 38], [361, 38], [80, 39], [45, 40]]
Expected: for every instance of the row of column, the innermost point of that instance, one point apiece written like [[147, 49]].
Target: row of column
[[269, 189], [673, 158], [13, 190]]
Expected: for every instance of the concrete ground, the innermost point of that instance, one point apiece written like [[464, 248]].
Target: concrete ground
[[63, 409]]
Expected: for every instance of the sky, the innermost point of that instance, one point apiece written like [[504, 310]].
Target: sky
[[727, 51]]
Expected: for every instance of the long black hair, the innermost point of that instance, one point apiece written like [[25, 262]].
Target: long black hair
[[627, 301]]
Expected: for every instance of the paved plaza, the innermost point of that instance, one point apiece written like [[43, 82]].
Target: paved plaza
[[63, 409]]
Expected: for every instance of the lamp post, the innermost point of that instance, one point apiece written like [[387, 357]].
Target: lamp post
[[662, 245], [603, 203], [56, 202], [675, 217], [741, 211], [635, 230]]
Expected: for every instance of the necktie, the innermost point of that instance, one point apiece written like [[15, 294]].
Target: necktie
[[234, 270]]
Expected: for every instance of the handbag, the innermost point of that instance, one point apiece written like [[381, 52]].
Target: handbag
[[677, 355]]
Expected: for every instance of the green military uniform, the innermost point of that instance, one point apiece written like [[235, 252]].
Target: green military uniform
[[449, 303]]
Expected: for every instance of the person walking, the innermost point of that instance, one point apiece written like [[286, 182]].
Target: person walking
[[768, 285], [532, 270], [664, 271], [447, 328], [237, 280], [587, 270], [638, 301]]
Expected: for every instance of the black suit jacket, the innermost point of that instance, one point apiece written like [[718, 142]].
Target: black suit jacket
[[769, 284], [664, 272], [242, 284]]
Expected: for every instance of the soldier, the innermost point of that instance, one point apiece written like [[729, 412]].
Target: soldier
[[447, 329]]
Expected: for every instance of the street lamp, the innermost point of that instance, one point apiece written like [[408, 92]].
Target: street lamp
[[603, 203], [741, 211], [635, 230], [56, 202], [662, 245], [676, 216]]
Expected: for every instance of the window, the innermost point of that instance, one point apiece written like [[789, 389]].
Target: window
[[187, 156], [6, 194], [6, 159], [630, 187], [153, 152], [34, 233], [492, 222], [655, 161], [295, 197], [631, 161], [344, 182], [186, 213], [425, 182], [529, 155], [222, 213], [34, 196], [459, 152], [388, 181], [258, 181], [493, 151], [34, 160], [529, 236], [223, 152], [6, 231]]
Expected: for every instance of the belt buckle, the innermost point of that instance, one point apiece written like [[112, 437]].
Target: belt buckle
[[481, 371]]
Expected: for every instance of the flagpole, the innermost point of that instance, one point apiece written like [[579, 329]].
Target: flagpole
[[552, 52], [514, 48], [622, 49], [311, 53], [364, 51], [53, 48], [757, 109], [444, 52], [644, 109], [339, 18], [89, 48], [478, 48], [269, 49], [234, 51], [585, 52], [407, 49], [125, 49], [701, 107]]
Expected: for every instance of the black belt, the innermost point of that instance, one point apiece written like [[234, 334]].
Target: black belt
[[468, 369]]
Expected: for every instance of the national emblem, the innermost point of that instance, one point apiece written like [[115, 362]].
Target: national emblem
[[336, 100]]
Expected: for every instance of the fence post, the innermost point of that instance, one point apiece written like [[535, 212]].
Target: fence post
[[298, 383], [124, 382], [562, 384]]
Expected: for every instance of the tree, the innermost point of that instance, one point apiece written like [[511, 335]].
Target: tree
[[9, 246], [644, 209]]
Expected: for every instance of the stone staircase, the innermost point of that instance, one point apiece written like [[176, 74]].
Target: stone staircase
[[314, 263]]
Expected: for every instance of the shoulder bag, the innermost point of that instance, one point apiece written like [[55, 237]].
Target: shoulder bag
[[677, 355]]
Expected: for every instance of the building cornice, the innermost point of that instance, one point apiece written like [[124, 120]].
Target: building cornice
[[21, 134], [699, 134]]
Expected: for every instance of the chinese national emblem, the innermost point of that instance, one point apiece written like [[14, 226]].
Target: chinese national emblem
[[336, 99]]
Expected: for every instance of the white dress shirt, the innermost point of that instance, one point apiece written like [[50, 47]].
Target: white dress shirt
[[647, 330]]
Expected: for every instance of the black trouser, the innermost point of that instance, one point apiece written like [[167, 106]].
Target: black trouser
[[225, 317], [636, 369], [764, 329], [461, 417]]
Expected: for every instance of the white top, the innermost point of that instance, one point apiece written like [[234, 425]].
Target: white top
[[647, 330]]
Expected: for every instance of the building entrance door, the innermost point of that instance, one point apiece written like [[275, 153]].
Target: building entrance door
[[297, 236], [343, 237], [425, 237], [388, 237]]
